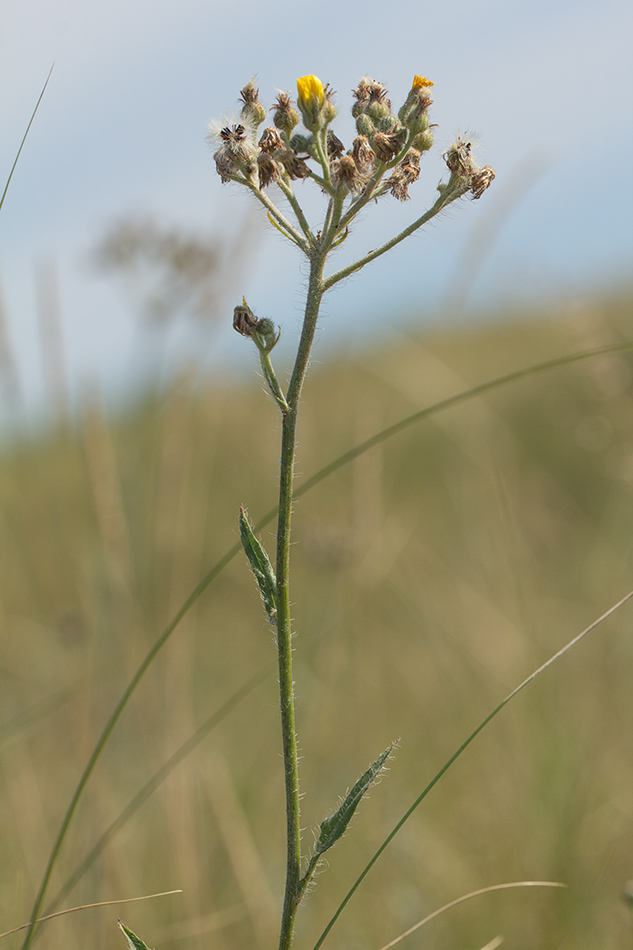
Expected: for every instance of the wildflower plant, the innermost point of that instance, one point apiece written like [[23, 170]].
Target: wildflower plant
[[383, 161]]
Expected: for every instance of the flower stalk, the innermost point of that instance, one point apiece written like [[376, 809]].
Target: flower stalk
[[384, 160]]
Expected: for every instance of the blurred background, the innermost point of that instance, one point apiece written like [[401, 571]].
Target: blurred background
[[431, 575]]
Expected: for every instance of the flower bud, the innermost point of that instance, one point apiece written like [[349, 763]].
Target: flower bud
[[311, 100], [302, 144], [423, 141], [413, 112], [253, 112], [364, 126], [285, 116]]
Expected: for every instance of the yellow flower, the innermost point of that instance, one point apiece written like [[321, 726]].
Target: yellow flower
[[311, 93], [421, 82]]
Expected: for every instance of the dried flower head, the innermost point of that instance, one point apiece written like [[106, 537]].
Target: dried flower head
[[237, 153], [335, 147], [405, 174], [268, 169], [481, 180], [386, 145], [345, 174], [270, 140], [363, 154], [458, 158]]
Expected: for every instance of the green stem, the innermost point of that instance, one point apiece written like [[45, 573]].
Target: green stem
[[448, 195], [292, 894]]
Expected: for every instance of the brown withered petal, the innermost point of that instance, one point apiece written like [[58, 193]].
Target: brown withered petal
[[458, 159], [344, 172], [363, 154], [405, 174], [249, 93], [244, 320], [482, 180], [270, 140], [225, 163], [370, 90], [387, 144], [268, 170], [334, 145], [296, 167]]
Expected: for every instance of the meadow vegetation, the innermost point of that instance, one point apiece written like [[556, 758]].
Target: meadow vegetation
[[430, 576]]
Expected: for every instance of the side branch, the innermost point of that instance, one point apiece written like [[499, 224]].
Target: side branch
[[444, 199]]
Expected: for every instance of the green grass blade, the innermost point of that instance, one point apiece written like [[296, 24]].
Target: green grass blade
[[28, 129], [482, 725], [318, 477]]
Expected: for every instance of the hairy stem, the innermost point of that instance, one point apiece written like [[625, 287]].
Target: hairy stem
[[292, 895]]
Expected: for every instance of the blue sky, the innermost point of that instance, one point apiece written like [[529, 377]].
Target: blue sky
[[547, 87]]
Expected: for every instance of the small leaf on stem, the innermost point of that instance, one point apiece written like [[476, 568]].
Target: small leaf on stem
[[333, 828], [260, 566], [133, 942]]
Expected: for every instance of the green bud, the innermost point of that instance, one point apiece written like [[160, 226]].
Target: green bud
[[378, 110], [423, 141], [253, 112], [285, 116], [300, 144], [364, 126]]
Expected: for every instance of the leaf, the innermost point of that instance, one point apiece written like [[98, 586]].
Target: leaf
[[260, 566], [333, 828], [133, 942]]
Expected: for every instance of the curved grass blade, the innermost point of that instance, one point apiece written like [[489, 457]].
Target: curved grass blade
[[28, 129], [318, 477], [467, 897], [73, 910], [504, 702]]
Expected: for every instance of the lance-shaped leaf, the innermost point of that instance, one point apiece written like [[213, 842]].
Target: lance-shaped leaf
[[333, 828], [260, 566], [133, 942]]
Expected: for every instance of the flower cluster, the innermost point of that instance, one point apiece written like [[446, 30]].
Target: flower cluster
[[384, 156]]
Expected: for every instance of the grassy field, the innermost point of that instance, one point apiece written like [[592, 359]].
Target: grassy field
[[430, 577]]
